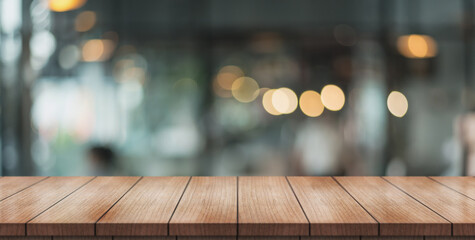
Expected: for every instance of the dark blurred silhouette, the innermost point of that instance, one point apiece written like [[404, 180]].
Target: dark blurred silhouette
[[102, 161]]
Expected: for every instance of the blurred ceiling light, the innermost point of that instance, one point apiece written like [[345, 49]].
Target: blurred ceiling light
[[227, 75], [69, 56], [92, 50], [267, 102], [85, 21], [96, 50], [311, 103], [65, 5], [345, 35], [284, 100], [397, 104], [417, 46], [245, 89], [333, 97], [219, 91]]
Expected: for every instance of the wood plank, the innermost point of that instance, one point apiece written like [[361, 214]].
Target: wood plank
[[268, 207], [397, 213], [206, 238], [208, 208], [143, 238], [450, 238], [12, 185], [330, 238], [25, 238], [453, 206], [77, 214], [145, 210], [81, 238], [330, 209], [392, 238], [245, 238], [464, 185], [17, 210], [272, 238]]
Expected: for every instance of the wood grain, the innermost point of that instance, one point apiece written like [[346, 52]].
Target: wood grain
[[330, 238], [208, 208], [77, 214], [143, 238], [268, 207], [453, 206], [464, 185], [268, 238], [330, 209], [12, 185], [25, 238], [450, 238], [18, 209], [392, 238], [206, 238], [397, 213], [145, 210], [82, 238]]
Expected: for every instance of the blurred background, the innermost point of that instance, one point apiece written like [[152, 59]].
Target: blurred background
[[248, 87]]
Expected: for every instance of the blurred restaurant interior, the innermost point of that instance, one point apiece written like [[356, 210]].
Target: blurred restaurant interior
[[248, 87]]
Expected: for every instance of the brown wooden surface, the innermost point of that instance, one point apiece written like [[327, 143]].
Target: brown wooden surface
[[269, 238], [81, 238], [77, 214], [392, 238], [329, 238], [330, 209], [397, 213], [254, 208], [206, 238], [208, 208], [25, 238], [453, 206], [143, 238], [145, 210], [464, 185], [18, 209], [12, 185], [267, 206]]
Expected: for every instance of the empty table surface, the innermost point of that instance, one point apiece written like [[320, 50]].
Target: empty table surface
[[237, 206]]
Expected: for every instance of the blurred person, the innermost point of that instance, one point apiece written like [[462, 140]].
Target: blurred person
[[101, 161], [318, 147]]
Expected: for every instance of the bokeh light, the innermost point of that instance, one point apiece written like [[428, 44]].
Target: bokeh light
[[397, 104], [417, 46], [245, 89], [227, 75], [85, 21], [333, 97], [311, 103], [69, 56], [267, 102], [284, 100], [65, 5], [97, 50]]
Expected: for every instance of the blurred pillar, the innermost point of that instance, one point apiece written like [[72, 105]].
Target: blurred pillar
[[15, 101], [367, 120], [468, 8]]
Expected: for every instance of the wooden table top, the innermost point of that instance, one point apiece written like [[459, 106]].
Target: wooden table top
[[237, 206]]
